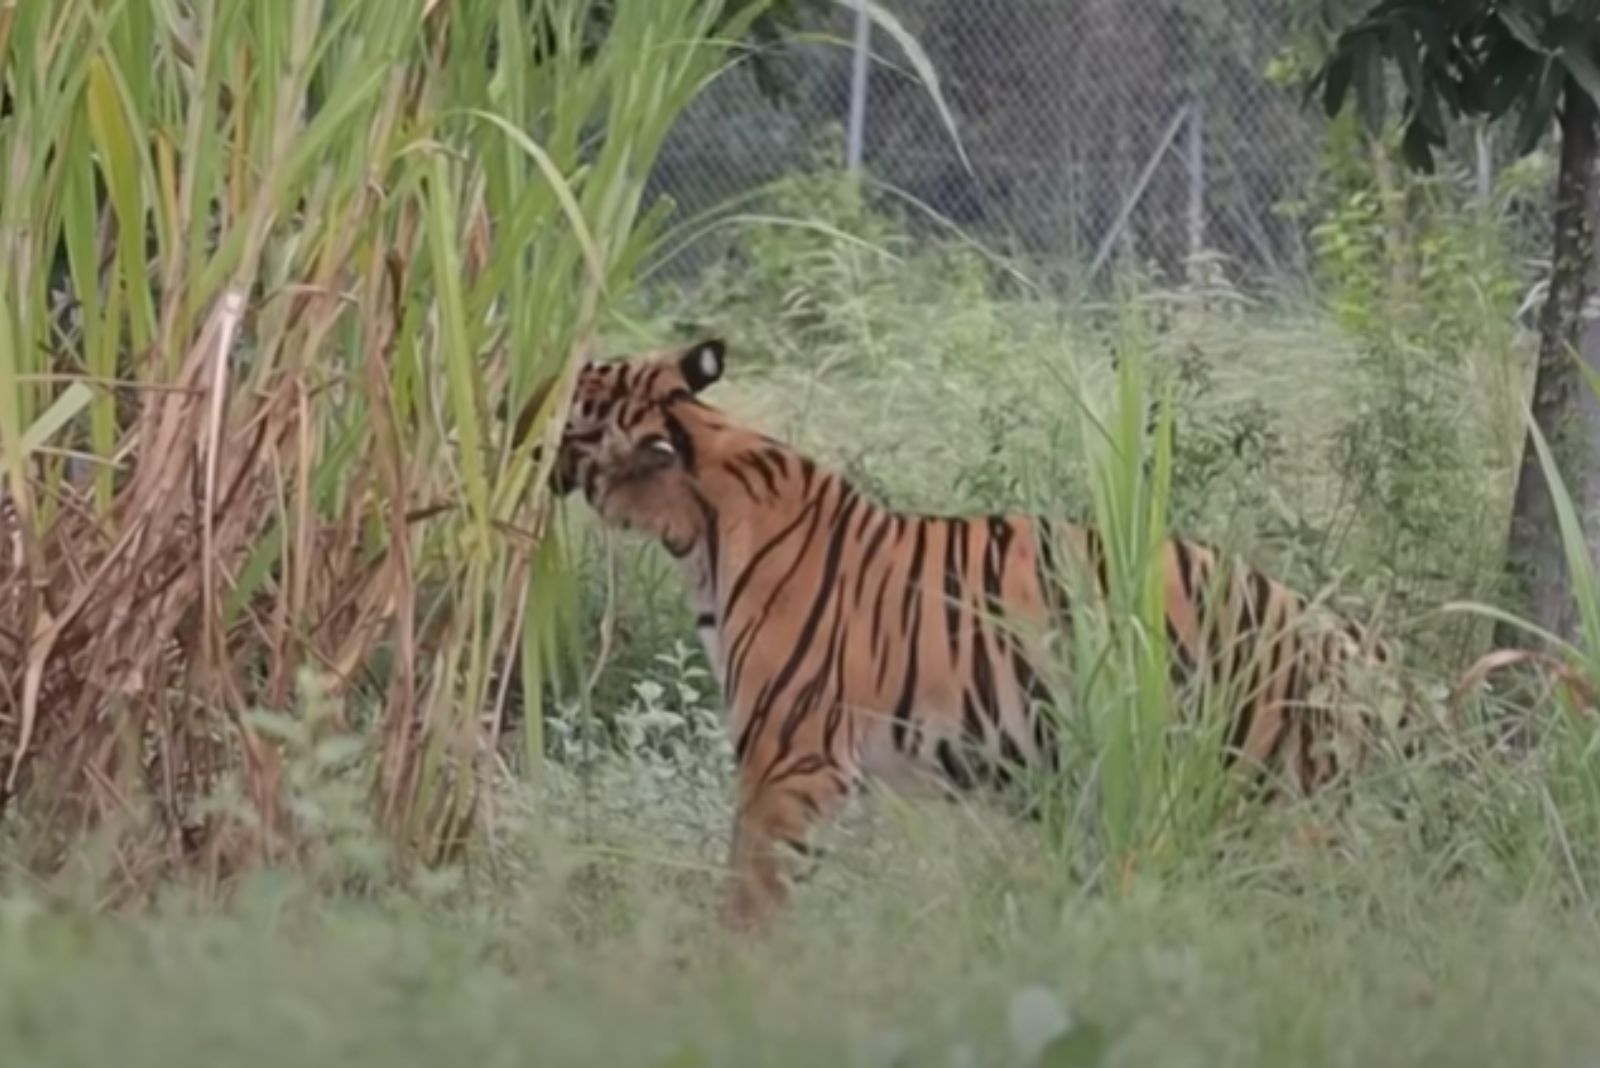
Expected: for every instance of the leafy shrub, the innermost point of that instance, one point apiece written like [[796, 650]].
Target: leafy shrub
[[1422, 278]]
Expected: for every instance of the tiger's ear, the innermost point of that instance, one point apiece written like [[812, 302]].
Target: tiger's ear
[[701, 363]]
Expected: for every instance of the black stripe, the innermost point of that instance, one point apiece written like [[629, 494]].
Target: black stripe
[[971, 725], [778, 458], [1261, 593], [1049, 574], [864, 564], [1011, 760], [908, 686], [750, 491], [681, 440], [1247, 621], [710, 524], [1250, 646], [1205, 619], [1094, 546], [576, 438], [879, 638], [1045, 738], [744, 640], [994, 562], [810, 696], [1185, 562], [1180, 662], [809, 764], [799, 847], [983, 675], [814, 511], [1308, 768], [954, 768], [954, 581], [914, 576], [769, 694], [836, 710]]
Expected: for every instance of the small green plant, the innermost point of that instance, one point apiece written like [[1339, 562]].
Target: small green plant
[[664, 746], [1222, 449], [988, 476], [318, 821]]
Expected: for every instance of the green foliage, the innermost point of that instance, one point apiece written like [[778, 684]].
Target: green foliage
[[1481, 58], [328, 766], [1419, 274]]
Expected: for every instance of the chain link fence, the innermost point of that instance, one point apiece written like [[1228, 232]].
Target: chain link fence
[[1094, 130]]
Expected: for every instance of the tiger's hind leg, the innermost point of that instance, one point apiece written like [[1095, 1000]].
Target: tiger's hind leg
[[780, 808]]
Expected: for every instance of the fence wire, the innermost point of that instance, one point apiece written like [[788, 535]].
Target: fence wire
[[1095, 131]]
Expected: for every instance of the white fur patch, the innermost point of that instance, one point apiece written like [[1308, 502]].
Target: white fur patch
[[710, 362]]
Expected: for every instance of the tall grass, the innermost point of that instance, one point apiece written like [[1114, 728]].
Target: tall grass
[[1144, 777], [266, 270], [1559, 817]]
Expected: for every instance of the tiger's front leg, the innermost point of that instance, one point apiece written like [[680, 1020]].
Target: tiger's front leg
[[782, 805]]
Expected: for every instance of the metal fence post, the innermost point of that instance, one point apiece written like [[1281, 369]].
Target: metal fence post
[[1131, 201], [858, 88], [1484, 159], [1196, 160]]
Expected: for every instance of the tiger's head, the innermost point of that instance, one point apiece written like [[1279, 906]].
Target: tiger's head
[[629, 445]]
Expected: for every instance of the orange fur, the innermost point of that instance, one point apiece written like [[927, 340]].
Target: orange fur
[[856, 642]]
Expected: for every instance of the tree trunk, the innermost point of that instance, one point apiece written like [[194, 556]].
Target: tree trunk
[[1564, 407]]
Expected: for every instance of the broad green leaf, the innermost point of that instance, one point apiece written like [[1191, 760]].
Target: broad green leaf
[[1418, 152], [1427, 113], [1370, 83], [1511, 73], [1523, 28], [1336, 81], [1582, 67], [1539, 110], [1403, 49]]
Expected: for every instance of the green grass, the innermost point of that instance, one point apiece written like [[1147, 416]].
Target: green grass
[[920, 936]]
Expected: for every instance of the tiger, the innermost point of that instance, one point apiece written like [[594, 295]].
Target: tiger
[[854, 643]]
